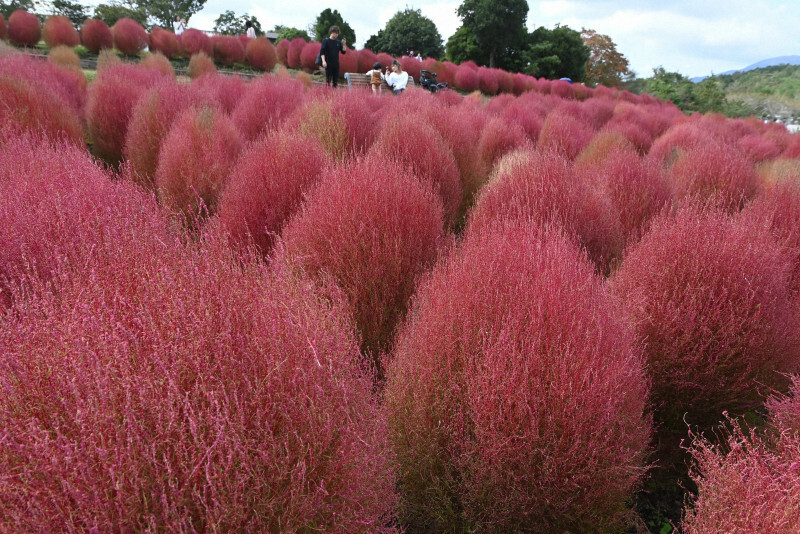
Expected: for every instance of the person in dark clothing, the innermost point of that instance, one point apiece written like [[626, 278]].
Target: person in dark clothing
[[329, 52]]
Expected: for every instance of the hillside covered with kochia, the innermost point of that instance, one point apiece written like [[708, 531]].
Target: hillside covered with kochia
[[269, 306]]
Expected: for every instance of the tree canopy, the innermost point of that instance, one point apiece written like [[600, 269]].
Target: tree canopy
[[463, 46], [557, 53], [229, 23], [6, 8], [498, 26], [111, 13], [148, 12], [408, 30], [74, 11], [606, 66], [329, 18], [289, 33]]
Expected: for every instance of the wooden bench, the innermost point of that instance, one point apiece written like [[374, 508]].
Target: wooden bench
[[357, 79]]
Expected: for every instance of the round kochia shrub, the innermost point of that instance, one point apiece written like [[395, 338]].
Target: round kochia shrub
[[58, 30], [373, 231], [96, 35], [516, 400], [130, 37], [266, 104], [267, 186], [228, 50], [163, 41], [24, 28], [422, 152], [204, 396], [3, 28], [467, 79], [260, 54], [112, 96], [196, 158], [201, 64], [194, 41], [710, 297]]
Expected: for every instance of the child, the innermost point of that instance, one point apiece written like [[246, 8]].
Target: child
[[376, 78]]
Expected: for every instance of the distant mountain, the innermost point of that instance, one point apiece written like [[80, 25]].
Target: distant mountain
[[781, 60]]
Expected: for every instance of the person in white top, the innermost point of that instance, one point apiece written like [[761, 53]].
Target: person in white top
[[251, 32], [397, 79], [180, 24]]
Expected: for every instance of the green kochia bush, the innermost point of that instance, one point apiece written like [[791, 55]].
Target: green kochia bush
[[516, 400], [711, 298]]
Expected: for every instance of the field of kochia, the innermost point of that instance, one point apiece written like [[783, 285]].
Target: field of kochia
[[270, 307]]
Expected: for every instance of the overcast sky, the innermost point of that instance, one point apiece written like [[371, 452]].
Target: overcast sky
[[693, 37]]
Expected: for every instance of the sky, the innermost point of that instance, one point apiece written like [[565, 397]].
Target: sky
[[692, 37]]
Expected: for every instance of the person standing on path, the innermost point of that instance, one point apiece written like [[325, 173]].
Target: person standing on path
[[329, 52]]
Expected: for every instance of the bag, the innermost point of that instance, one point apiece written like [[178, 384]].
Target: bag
[[318, 61]]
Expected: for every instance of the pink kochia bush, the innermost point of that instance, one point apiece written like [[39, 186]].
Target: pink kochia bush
[[23, 28], [130, 37], [200, 394], [260, 54], [163, 41], [751, 482], [196, 158], [58, 30], [3, 28], [418, 148], [228, 50], [112, 96], [266, 104], [516, 400], [266, 187], [194, 41], [710, 296], [96, 35], [372, 231]]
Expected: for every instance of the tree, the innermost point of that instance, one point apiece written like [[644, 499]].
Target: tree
[[7, 8], [163, 12], [111, 13], [672, 86], [228, 23], [74, 11], [408, 30], [463, 46], [556, 53], [329, 18], [498, 26], [289, 33], [605, 66]]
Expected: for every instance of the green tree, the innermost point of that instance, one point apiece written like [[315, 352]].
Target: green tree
[[498, 27], [111, 13], [463, 46], [163, 12], [556, 53], [329, 18], [228, 23], [7, 8], [74, 11], [605, 66], [408, 30], [673, 87], [289, 33]]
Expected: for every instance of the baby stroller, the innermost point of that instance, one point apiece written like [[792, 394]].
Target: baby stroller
[[427, 80]]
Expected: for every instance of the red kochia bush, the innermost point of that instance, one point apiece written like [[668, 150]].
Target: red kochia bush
[[710, 297], [266, 187], [714, 171], [373, 231], [24, 28], [296, 46], [196, 158], [749, 484], [194, 41], [130, 37], [487, 80], [225, 92], [96, 35], [308, 56], [349, 62], [282, 49], [419, 149], [467, 79], [260, 54], [562, 132], [58, 30], [228, 50], [266, 104], [366, 59], [163, 41], [511, 377], [3, 28], [499, 137], [151, 119], [200, 394], [112, 96], [68, 84]]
